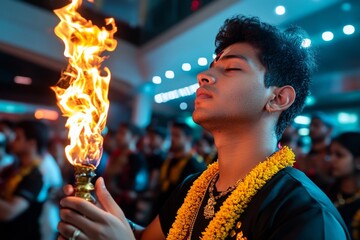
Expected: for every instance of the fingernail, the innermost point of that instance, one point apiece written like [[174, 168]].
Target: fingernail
[[102, 182]]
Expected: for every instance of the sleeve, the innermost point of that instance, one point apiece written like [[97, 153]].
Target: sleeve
[[173, 203], [30, 187], [314, 224]]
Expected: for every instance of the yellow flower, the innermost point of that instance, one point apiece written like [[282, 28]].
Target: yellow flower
[[225, 219]]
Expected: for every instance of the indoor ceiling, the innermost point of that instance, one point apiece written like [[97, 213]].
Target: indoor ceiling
[[139, 57]]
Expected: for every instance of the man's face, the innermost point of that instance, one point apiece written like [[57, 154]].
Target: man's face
[[123, 136], [319, 130], [20, 145], [232, 90], [178, 139], [155, 141], [342, 161]]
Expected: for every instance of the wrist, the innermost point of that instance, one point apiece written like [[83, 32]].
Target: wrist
[[136, 229]]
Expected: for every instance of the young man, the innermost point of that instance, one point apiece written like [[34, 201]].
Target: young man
[[317, 161], [181, 161], [253, 89], [20, 204], [126, 173]]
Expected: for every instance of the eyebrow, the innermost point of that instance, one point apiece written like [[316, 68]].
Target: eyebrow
[[231, 57]]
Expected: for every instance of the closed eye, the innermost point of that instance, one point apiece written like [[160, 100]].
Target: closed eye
[[233, 69]]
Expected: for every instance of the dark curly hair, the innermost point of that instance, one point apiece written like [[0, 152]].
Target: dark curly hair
[[36, 130], [281, 52]]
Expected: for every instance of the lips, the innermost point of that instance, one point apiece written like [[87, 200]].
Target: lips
[[202, 93]]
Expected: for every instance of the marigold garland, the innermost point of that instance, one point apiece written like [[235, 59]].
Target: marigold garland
[[234, 205]]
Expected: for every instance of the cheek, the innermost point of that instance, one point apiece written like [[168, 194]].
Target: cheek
[[343, 167], [247, 98]]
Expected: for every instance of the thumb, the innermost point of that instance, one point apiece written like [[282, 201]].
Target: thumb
[[105, 199], [68, 190]]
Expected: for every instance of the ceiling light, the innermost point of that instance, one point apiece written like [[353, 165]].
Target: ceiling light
[[177, 93], [186, 67], [169, 74], [280, 10], [156, 79], [202, 61], [327, 36], [349, 29], [310, 101], [306, 42], [22, 80], [302, 120], [183, 106], [303, 131], [214, 56], [346, 118]]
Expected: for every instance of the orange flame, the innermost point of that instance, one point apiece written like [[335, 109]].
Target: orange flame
[[82, 91]]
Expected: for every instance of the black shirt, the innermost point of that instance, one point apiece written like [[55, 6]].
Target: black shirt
[[26, 225], [289, 206]]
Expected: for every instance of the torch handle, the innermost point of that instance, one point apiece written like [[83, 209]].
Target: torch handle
[[83, 186]]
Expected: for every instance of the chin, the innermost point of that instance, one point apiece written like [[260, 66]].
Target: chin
[[197, 116]]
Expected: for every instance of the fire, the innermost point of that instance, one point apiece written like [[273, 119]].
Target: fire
[[82, 90]]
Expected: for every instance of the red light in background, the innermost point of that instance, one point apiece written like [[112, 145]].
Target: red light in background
[[195, 4]]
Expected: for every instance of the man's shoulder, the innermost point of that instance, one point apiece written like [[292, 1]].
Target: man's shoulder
[[291, 202], [294, 184]]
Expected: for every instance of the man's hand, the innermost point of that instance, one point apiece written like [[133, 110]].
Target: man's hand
[[103, 221]]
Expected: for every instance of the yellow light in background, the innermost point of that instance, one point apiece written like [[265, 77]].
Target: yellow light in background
[[46, 114]]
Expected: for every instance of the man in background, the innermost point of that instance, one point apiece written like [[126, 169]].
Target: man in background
[[20, 207]]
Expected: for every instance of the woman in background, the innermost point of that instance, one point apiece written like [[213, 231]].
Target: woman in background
[[345, 168]]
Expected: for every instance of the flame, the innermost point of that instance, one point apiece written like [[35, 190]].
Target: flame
[[82, 90]]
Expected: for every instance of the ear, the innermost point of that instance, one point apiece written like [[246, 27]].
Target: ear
[[281, 99]]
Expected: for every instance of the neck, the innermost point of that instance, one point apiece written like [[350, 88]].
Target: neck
[[27, 160], [239, 151], [180, 153], [348, 185]]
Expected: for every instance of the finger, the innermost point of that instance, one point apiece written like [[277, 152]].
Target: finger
[[83, 208], [68, 190], [105, 199], [72, 220], [67, 231]]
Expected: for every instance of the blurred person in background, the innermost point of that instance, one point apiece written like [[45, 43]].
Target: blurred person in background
[[291, 138], [6, 159], [7, 128], [50, 192], [317, 165], [180, 162], [20, 207], [126, 173], [345, 168], [6, 136], [206, 148], [154, 141]]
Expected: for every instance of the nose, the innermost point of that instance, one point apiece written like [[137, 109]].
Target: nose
[[205, 78]]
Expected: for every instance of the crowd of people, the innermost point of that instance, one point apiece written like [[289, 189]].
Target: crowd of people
[[186, 188], [142, 167], [332, 162]]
